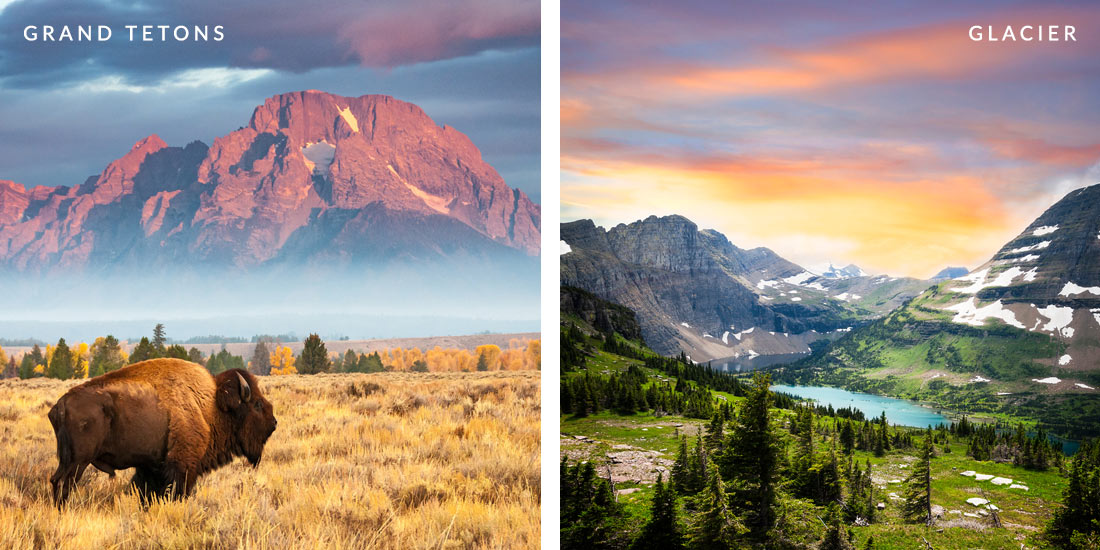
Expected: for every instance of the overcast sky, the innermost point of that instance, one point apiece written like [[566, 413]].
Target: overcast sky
[[868, 132], [69, 108]]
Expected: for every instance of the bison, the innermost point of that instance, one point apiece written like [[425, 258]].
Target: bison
[[169, 419]]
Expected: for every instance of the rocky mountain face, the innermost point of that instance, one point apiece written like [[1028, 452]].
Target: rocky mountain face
[[312, 177], [1019, 334], [1045, 281], [695, 291]]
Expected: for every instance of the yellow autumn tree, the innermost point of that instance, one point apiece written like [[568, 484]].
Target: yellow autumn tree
[[490, 355], [533, 354], [282, 361], [3, 359]]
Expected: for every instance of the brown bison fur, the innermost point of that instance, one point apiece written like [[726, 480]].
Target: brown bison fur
[[167, 418]]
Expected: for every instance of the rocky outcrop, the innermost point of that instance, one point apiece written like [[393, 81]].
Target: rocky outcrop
[[359, 172], [694, 291]]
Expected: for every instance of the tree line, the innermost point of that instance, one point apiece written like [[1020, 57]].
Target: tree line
[[269, 357]]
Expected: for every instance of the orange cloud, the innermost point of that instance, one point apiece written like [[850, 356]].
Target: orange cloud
[[914, 227]]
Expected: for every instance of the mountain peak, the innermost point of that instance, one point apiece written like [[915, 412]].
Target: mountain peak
[[149, 144]]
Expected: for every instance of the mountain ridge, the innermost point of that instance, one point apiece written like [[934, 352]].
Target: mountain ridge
[[239, 201]]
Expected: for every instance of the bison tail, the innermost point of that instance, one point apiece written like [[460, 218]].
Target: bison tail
[[61, 431]]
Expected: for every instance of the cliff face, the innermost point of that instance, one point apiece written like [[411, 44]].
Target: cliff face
[[695, 291], [312, 176]]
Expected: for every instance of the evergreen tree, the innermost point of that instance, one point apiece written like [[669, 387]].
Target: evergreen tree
[[1077, 523], [176, 351], [419, 365], [751, 458], [715, 433], [835, 538], [159, 340], [26, 366], [662, 531], [143, 351], [195, 356], [314, 358], [351, 362], [11, 370], [106, 356], [918, 493], [590, 517], [261, 359], [61, 365], [370, 363], [847, 437], [716, 528], [482, 362]]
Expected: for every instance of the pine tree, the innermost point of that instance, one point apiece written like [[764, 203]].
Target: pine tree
[[351, 362], [195, 356], [176, 351], [716, 528], [143, 351], [662, 531], [847, 437], [11, 371], [715, 433], [314, 358], [751, 459], [159, 340], [918, 493], [835, 538], [482, 363], [1077, 523], [61, 366], [261, 359], [106, 356]]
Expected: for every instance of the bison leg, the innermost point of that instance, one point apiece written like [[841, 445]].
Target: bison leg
[[149, 484], [63, 481], [182, 480]]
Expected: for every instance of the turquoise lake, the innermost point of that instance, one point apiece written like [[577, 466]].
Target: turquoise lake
[[898, 411]]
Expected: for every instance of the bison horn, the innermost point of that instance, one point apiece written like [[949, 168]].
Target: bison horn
[[246, 390]]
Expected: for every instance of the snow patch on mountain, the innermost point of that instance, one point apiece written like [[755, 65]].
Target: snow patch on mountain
[[1037, 246], [970, 314], [563, 248], [1060, 317], [1044, 230], [1065, 360], [1003, 278], [800, 278], [1073, 289], [763, 285], [345, 113], [1047, 380]]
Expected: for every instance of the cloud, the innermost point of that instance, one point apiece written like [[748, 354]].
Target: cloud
[[283, 35]]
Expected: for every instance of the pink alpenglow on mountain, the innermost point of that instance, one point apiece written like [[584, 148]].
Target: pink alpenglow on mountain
[[312, 176]]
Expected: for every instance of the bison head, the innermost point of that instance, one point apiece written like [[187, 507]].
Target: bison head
[[252, 417]]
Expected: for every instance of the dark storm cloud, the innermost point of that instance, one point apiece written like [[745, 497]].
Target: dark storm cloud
[[285, 35]]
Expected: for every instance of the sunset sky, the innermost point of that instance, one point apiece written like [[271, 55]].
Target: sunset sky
[[69, 108], [875, 133]]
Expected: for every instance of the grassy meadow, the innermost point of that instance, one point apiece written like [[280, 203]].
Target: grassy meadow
[[389, 460], [633, 448]]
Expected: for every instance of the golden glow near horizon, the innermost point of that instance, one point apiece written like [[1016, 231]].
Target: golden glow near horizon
[[903, 149]]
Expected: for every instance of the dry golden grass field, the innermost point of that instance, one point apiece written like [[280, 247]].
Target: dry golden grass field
[[391, 460]]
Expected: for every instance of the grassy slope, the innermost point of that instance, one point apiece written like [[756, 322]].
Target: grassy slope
[[1023, 513], [427, 461], [917, 353]]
